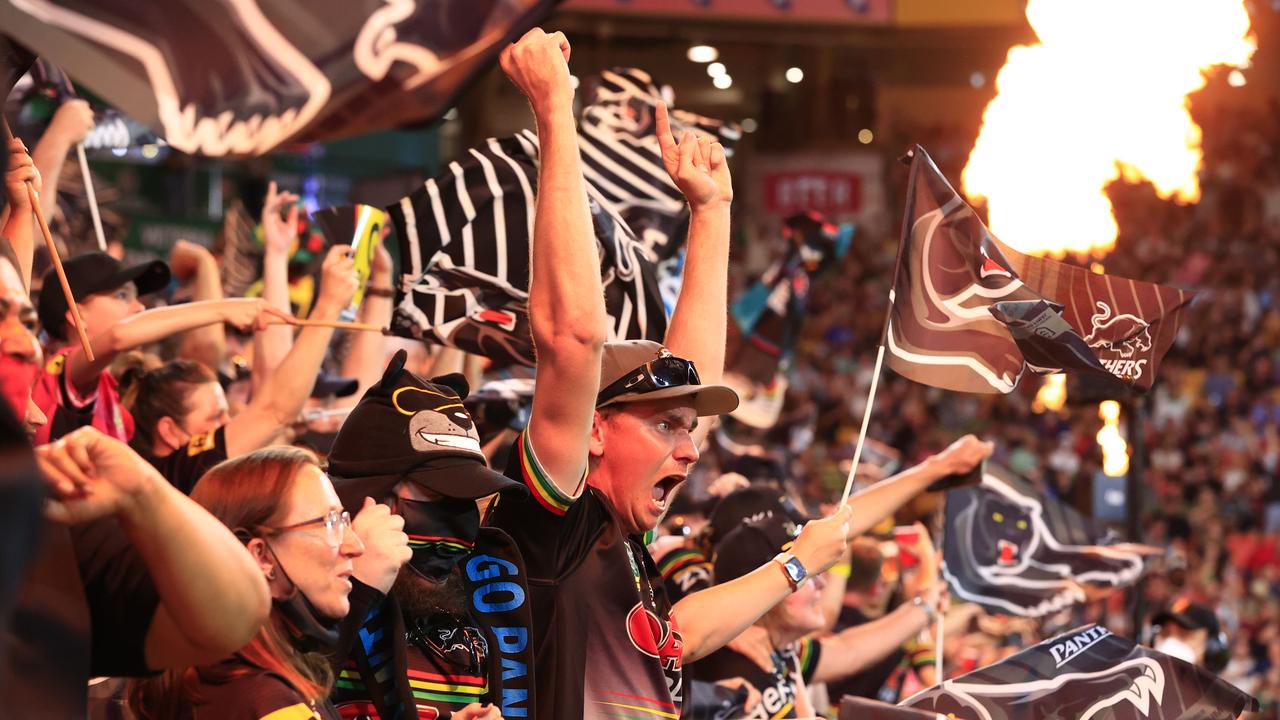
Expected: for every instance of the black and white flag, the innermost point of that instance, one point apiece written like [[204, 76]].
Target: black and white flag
[[464, 246], [223, 77], [1015, 551], [1086, 674]]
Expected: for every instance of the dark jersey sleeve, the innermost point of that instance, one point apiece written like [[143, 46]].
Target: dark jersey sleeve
[[122, 598], [183, 468], [553, 531]]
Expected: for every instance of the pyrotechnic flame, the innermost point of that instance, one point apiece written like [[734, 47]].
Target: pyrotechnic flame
[[1103, 94], [1052, 394], [1115, 451]]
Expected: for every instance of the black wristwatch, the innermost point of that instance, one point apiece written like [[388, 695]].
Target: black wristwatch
[[792, 568]]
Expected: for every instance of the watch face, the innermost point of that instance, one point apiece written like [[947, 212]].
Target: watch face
[[795, 570]]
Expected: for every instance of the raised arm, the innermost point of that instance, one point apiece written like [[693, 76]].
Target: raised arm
[[19, 228], [152, 325], [367, 351], [709, 619], [697, 330], [277, 404], [212, 594], [859, 647], [70, 124], [279, 232], [874, 504], [566, 300], [194, 263]]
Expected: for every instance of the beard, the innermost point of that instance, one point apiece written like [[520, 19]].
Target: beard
[[420, 597]]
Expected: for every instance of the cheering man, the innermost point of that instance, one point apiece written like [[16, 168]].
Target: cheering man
[[613, 432]]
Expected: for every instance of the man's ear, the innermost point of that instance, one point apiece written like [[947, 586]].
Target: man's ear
[[69, 325], [170, 434], [595, 448]]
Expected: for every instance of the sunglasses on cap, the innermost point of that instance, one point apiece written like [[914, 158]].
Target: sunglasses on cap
[[662, 372]]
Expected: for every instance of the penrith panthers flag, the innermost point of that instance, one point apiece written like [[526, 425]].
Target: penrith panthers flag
[[971, 314], [1015, 551], [464, 247], [1086, 674], [240, 77], [856, 708]]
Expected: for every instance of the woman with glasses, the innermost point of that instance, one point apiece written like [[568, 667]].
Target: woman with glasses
[[283, 508]]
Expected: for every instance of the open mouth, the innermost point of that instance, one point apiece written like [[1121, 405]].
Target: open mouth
[[1007, 552], [461, 442], [665, 489]]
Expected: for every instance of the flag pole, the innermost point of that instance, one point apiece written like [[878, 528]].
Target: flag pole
[[92, 197], [884, 333]]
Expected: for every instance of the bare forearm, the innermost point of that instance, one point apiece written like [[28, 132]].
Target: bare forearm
[[271, 345], [49, 155], [697, 330], [19, 230], [566, 299], [874, 504], [207, 344], [145, 327], [709, 619], [366, 353], [860, 647], [291, 384], [208, 584]]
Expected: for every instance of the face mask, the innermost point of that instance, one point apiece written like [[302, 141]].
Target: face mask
[[16, 379], [309, 629], [1174, 647], [441, 532]]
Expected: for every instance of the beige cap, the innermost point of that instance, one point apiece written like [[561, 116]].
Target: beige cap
[[622, 358]]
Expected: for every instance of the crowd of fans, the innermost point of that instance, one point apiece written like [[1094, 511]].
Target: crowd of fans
[[198, 394]]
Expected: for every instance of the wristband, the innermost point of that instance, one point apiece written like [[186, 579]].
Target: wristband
[[928, 609], [384, 292]]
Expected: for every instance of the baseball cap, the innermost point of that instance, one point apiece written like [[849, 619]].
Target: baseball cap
[[751, 545], [330, 385], [1189, 616], [624, 358], [406, 428], [749, 504], [89, 274]]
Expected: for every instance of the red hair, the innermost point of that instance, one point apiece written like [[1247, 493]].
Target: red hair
[[245, 494]]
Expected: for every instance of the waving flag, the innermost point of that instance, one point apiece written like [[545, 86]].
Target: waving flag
[[622, 159], [1086, 674], [1015, 551], [971, 314], [217, 77], [464, 241], [768, 315]]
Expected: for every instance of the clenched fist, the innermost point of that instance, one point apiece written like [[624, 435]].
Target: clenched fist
[[538, 64]]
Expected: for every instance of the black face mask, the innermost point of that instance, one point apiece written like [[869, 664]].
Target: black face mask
[[441, 532], [310, 630]]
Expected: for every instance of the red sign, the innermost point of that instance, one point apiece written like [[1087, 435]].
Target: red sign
[[826, 192]]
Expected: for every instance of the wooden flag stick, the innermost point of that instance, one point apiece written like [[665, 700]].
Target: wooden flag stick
[[339, 324], [92, 197], [62, 274]]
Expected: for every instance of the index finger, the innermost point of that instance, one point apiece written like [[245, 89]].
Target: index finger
[[663, 127]]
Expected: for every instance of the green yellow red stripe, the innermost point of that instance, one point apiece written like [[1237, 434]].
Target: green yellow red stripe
[[543, 488], [678, 560]]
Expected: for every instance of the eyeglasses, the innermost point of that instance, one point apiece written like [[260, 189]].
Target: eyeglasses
[[335, 522], [664, 371]]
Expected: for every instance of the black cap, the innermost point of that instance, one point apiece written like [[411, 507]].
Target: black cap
[[330, 385], [751, 545], [755, 502], [1189, 616], [89, 274], [405, 428]]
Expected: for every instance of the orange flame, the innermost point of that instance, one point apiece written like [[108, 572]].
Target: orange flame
[[1103, 94], [1115, 451]]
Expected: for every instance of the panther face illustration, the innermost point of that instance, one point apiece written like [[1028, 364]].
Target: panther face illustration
[[438, 421], [1003, 531]]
